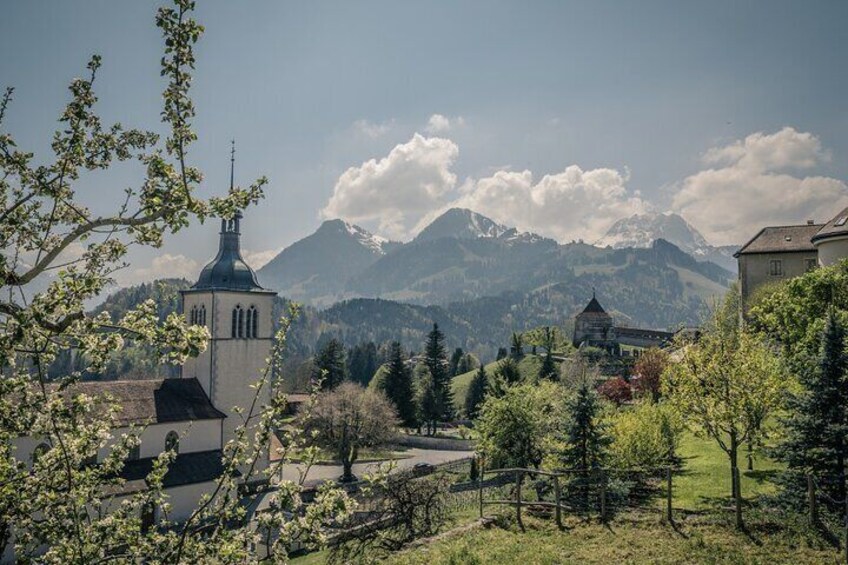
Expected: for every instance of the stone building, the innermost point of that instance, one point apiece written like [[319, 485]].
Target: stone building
[[594, 327], [778, 253]]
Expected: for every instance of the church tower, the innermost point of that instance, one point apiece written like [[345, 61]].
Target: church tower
[[237, 311]]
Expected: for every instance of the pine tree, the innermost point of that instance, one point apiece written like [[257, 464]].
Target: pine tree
[[329, 365], [436, 361], [398, 387], [585, 435], [516, 348], [427, 402], [456, 358], [586, 442], [818, 422], [476, 393], [548, 370]]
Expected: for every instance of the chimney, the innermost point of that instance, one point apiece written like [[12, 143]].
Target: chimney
[[810, 223]]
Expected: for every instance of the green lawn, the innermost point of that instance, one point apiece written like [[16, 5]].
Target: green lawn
[[704, 480], [632, 539]]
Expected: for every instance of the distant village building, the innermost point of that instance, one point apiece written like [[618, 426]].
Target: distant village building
[[594, 327], [195, 413], [778, 253]]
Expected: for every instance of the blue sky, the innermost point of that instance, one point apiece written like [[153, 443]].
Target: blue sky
[[558, 117]]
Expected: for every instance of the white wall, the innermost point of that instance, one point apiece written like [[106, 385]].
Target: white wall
[[831, 251]]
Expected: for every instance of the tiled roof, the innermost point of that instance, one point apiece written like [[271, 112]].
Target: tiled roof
[[781, 239], [186, 469], [594, 307], [154, 401], [837, 227]]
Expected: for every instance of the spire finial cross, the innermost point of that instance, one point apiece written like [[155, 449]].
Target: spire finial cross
[[232, 164]]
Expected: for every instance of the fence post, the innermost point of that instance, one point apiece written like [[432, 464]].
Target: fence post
[[811, 499], [480, 472], [668, 513], [558, 502], [602, 477], [518, 477]]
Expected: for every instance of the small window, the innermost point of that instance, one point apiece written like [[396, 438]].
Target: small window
[[192, 319], [39, 452], [172, 442], [148, 517], [776, 268], [841, 221], [202, 315], [135, 453], [811, 264]]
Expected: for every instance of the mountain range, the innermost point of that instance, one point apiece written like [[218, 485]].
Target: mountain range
[[463, 255], [642, 230]]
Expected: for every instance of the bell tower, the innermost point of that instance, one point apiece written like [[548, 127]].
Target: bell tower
[[237, 311]]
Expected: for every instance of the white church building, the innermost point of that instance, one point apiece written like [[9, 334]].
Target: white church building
[[195, 413]]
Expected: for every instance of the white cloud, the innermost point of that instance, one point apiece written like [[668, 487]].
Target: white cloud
[[752, 185], [442, 124], [572, 204], [162, 266], [258, 259], [373, 130], [394, 192]]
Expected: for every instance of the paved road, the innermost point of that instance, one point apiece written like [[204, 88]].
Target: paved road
[[320, 473]]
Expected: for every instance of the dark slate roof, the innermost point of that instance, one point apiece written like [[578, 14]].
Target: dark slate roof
[[186, 469], [228, 271], [781, 239], [594, 307], [623, 331], [154, 401], [837, 227]]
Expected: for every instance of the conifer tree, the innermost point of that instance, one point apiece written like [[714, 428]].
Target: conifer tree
[[585, 434], [548, 370], [428, 403], [476, 394], [398, 387], [436, 361], [818, 423], [516, 348], [455, 361], [329, 365]]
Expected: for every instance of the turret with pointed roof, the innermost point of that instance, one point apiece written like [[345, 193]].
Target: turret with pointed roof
[[593, 326]]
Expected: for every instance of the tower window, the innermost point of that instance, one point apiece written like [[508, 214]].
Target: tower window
[[192, 318], [172, 442], [252, 322], [238, 321], [202, 315]]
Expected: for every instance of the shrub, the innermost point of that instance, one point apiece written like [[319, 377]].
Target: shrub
[[616, 390]]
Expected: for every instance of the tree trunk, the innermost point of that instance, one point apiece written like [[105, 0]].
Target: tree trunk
[[347, 472], [736, 488], [750, 455]]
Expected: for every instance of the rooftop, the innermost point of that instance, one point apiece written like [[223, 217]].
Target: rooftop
[[594, 307], [154, 401], [837, 227], [781, 239], [186, 469]]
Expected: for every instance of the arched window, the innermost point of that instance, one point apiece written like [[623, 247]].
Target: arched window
[[238, 321], [202, 315], [192, 319], [253, 321], [39, 451], [248, 321], [172, 442], [135, 453]]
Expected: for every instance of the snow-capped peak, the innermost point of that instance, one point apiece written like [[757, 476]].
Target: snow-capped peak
[[373, 242], [461, 223], [641, 230]]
